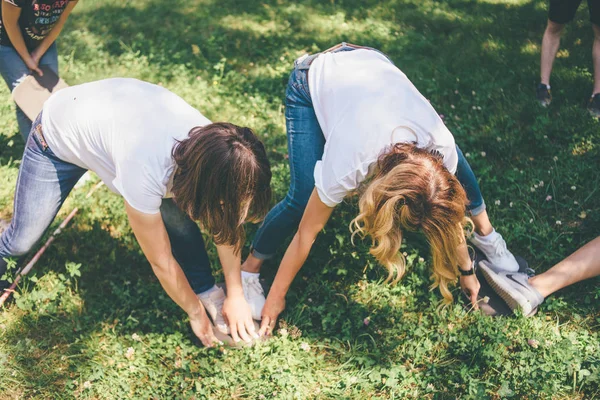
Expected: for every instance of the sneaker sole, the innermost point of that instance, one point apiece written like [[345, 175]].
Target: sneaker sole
[[515, 300]]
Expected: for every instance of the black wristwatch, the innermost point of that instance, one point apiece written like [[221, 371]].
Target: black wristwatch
[[468, 272]]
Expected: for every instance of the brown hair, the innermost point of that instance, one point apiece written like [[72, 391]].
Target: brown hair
[[412, 190], [222, 180]]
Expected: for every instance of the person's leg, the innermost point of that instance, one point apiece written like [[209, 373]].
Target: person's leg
[[581, 265], [305, 147], [43, 184], [187, 246], [524, 293], [485, 237], [13, 70], [550, 45]]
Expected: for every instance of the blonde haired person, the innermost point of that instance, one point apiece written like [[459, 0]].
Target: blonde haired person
[[355, 121]]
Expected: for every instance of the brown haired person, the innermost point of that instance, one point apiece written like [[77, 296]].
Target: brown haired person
[[356, 122], [525, 293], [172, 166], [561, 12], [28, 32]]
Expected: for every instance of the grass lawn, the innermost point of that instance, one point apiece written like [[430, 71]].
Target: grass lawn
[[93, 321]]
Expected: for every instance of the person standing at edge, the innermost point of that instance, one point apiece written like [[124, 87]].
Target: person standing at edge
[[172, 166], [28, 32], [561, 12]]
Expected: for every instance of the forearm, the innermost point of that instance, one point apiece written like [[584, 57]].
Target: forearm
[[464, 261], [232, 269], [294, 258], [176, 285]]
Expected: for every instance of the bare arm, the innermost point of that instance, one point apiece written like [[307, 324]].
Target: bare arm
[[152, 236], [235, 308], [54, 33], [10, 20], [313, 221]]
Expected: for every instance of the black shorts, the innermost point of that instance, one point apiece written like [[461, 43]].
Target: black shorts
[[563, 11]]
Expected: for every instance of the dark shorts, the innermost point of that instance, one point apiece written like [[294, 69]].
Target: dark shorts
[[563, 11]]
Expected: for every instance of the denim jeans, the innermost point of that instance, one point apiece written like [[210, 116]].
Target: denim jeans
[[13, 70], [44, 183], [305, 147]]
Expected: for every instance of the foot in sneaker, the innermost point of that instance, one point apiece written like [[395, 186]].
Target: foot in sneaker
[[514, 288], [543, 95], [213, 300], [594, 105], [494, 248], [254, 293]]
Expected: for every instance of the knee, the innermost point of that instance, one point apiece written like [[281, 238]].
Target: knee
[[17, 248], [296, 203], [554, 29]]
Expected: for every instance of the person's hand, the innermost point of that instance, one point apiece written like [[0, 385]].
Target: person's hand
[[203, 328], [239, 317], [32, 63], [273, 307], [470, 286]]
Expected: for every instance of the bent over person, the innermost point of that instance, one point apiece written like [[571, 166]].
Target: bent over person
[[172, 166], [355, 122]]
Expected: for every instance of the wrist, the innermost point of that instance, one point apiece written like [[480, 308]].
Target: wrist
[[469, 269], [196, 313]]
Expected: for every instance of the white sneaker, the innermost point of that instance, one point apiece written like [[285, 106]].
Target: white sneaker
[[494, 247], [213, 300], [254, 294], [514, 288]]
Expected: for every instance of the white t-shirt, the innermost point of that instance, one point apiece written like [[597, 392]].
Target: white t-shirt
[[124, 130], [364, 104]]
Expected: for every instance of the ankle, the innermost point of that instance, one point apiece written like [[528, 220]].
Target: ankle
[[252, 265]]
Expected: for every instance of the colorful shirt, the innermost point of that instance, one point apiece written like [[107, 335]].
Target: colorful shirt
[[37, 19]]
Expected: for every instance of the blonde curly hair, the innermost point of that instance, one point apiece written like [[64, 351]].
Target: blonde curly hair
[[412, 190]]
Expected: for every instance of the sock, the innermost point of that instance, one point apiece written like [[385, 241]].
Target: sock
[[250, 274], [487, 238]]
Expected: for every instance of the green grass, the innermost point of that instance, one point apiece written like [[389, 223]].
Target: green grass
[[93, 296]]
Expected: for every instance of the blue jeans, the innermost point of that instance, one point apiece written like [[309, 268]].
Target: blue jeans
[[13, 70], [44, 183], [305, 147]]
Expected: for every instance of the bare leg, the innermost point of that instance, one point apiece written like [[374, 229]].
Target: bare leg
[[550, 45], [583, 264], [252, 264], [482, 223], [596, 57]]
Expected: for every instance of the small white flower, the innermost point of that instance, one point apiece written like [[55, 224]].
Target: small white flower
[[452, 106], [130, 352], [541, 183], [474, 108], [283, 332], [498, 139], [548, 198], [467, 155], [510, 204], [545, 136], [532, 189], [305, 346], [136, 337], [456, 91], [421, 260], [479, 107], [555, 158], [483, 154], [531, 221], [87, 384], [405, 254], [521, 171], [575, 202], [497, 202], [473, 93], [573, 187], [558, 223]]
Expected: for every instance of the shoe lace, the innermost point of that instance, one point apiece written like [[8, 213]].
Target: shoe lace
[[253, 284], [500, 246]]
